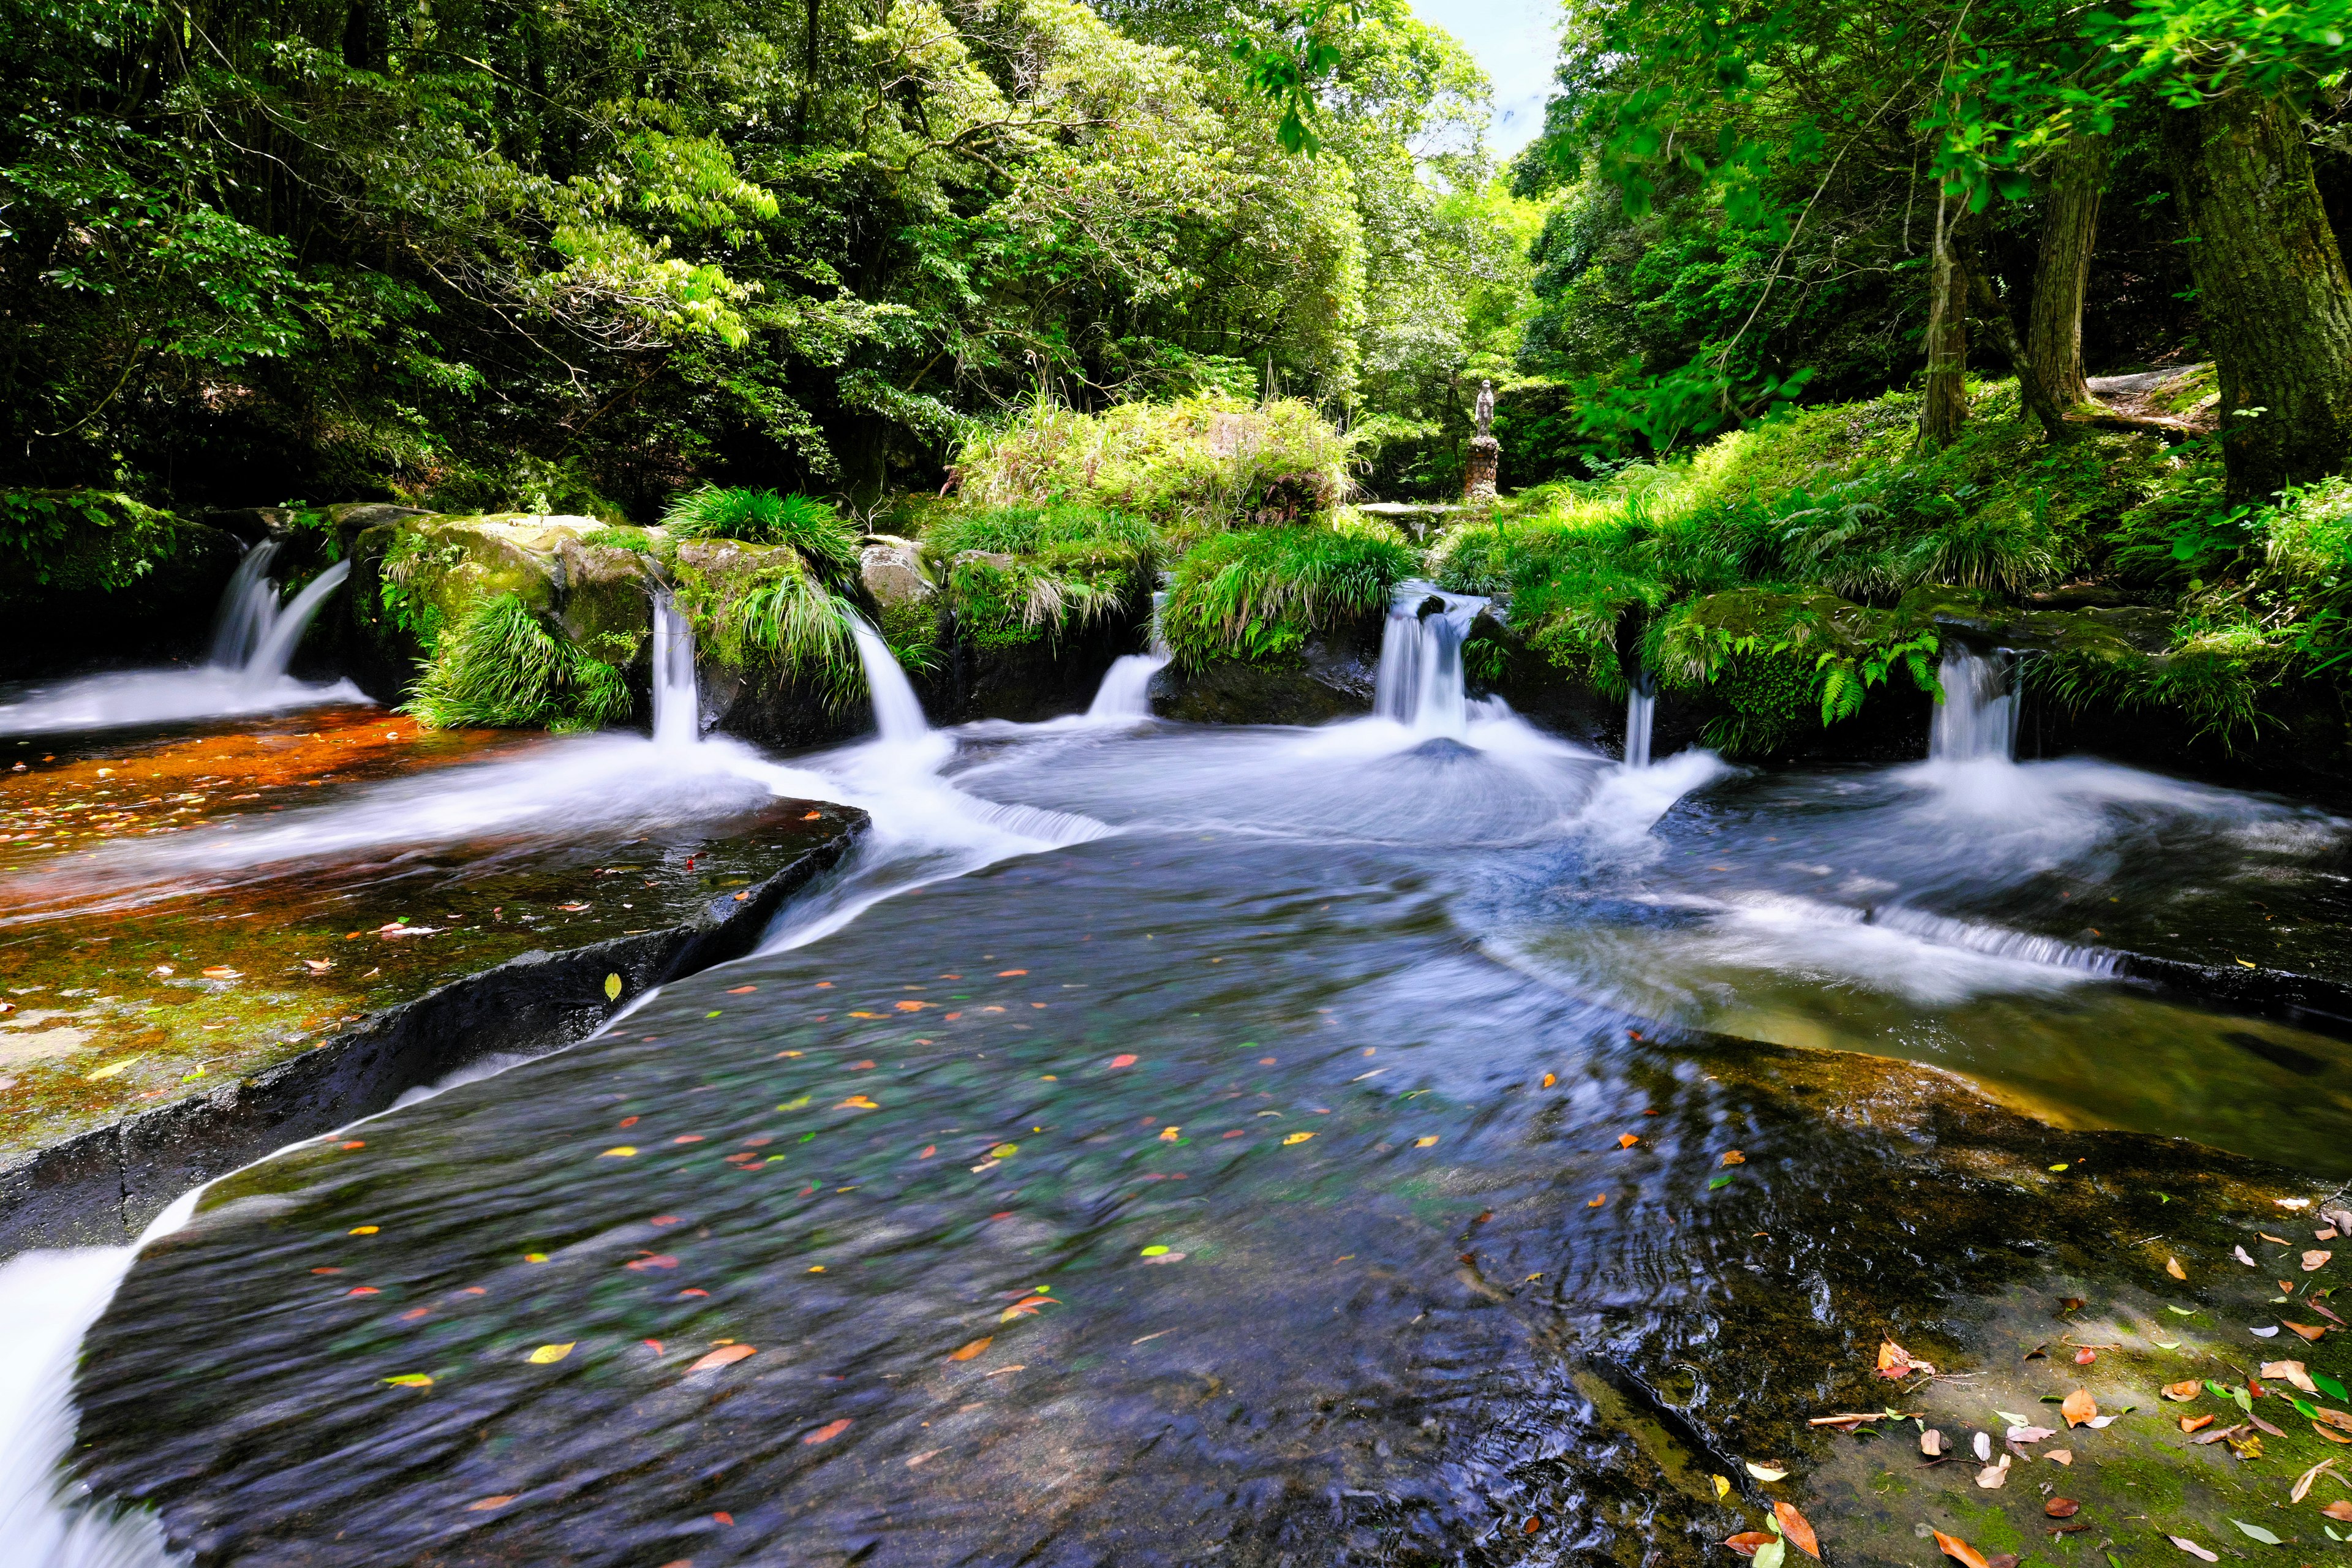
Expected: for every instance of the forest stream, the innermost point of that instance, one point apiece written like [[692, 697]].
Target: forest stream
[[1164, 1144]]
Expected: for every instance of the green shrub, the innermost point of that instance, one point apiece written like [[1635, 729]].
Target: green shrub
[[824, 538], [769, 610], [1206, 462], [499, 668], [1259, 593]]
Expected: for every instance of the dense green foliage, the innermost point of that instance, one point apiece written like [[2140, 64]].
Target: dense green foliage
[[571, 259], [80, 540]]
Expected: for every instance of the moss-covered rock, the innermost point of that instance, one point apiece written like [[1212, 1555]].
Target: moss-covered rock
[[417, 575]]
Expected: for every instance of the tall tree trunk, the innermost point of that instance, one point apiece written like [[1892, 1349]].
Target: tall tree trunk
[[1945, 407], [2272, 287], [2053, 322]]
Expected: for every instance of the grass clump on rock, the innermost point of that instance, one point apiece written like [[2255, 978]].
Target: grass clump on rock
[[811, 528], [497, 668], [1017, 575], [761, 578], [1259, 593]]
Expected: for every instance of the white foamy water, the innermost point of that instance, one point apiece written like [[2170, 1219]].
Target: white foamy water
[[48, 1299], [678, 699]]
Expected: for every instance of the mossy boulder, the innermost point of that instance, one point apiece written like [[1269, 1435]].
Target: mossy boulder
[[415, 575]]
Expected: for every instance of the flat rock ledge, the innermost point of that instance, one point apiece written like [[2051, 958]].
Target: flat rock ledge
[[100, 1187]]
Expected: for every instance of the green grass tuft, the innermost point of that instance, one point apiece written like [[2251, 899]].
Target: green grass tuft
[[1259, 593], [1017, 575], [497, 668], [824, 538]]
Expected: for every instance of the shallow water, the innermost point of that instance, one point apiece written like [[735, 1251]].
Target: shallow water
[[1180, 1067]]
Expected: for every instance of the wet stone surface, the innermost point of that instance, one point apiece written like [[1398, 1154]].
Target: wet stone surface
[[146, 957]]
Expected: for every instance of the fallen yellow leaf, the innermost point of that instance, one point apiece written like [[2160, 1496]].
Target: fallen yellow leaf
[[1297, 1137], [547, 1355]]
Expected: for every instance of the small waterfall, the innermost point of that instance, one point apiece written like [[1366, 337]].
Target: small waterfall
[[1641, 709], [275, 651], [1420, 683], [1976, 720], [1125, 694], [897, 712], [249, 604], [678, 700]]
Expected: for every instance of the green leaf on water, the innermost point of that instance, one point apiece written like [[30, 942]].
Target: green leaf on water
[[1771, 1554], [800, 1104], [2303, 1407], [1155, 1252], [612, 988], [2164, 1344], [2329, 1386], [2256, 1533], [1719, 1181], [411, 1379], [2182, 1311]]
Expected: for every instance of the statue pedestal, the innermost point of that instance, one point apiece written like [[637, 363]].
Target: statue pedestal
[[1479, 477]]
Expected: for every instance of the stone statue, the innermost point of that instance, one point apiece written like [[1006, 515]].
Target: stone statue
[[1485, 455]]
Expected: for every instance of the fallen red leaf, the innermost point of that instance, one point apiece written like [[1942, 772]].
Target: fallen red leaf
[[725, 1355], [1800, 1533], [1960, 1551], [1748, 1540], [828, 1432]]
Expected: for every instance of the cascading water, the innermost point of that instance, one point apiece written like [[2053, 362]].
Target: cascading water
[[1641, 709], [249, 604], [678, 700], [254, 639], [1976, 720], [1125, 694], [897, 712], [275, 651], [1420, 684]]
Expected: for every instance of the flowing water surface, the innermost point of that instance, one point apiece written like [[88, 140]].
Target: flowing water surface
[[1105, 1166]]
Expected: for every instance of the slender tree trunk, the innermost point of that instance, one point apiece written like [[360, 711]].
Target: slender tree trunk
[[2272, 288], [1946, 407], [2054, 323], [1991, 310]]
